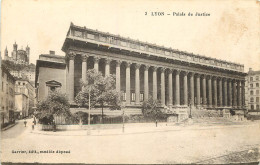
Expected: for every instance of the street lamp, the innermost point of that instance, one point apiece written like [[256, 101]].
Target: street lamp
[[88, 133], [190, 116], [123, 128]]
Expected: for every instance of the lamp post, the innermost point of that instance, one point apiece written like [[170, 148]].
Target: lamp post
[[123, 128], [190, 116], [88, 133]]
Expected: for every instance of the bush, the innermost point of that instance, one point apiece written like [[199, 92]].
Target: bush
[[55, 104]]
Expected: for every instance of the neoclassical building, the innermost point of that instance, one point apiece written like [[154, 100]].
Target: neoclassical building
[[143, 70]]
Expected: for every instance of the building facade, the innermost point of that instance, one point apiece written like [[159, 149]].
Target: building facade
[[18, 56], [143, 70], [25, 93], [253, 90], [7, 96]]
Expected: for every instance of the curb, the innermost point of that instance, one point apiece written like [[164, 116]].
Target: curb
[[152, 131], [10, 126]]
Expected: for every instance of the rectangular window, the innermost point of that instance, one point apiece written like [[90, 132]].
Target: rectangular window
[[257, 78], [257, 84], [257, 99], [124, 96], [132, 96], [141, 97], [251, 79], [251, 99], [251, 85], [251, 92]]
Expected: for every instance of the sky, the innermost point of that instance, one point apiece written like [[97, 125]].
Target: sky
[[231, 32]]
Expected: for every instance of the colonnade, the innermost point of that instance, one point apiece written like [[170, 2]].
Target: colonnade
[[198, 89]]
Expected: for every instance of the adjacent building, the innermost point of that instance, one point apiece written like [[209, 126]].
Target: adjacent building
[[253, 90], [24, 97], [142, 70], [7, 96]]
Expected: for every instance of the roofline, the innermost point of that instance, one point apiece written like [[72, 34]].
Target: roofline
[[145, 43]]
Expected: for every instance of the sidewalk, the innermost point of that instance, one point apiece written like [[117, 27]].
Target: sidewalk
[[9, 126], [141, 128]]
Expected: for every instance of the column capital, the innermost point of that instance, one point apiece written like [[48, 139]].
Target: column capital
[[118, 62], [84, 57], [169, 71], [220, 78], [128, 64], [162, 69], [71, 55], [137, 66], [146, 67], [154, 68], [197, 75], [185, 73], [192, 73], [108, 60], [96, 59], [177, 71], [209, 76], [204, 76]]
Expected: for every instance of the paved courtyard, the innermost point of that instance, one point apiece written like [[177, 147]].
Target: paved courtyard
[[150, 144]]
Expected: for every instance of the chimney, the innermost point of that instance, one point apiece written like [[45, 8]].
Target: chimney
[[52, 52], [250, 70]]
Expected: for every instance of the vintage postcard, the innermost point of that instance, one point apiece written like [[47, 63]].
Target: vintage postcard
[[130, 82]]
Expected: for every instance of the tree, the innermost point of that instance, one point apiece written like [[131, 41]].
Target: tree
[[102, 91], [55, 104], [151, 110]]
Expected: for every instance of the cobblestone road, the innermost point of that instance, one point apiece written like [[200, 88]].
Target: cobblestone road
[[206, 145]]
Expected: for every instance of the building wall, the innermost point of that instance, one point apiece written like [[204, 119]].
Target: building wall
[[253, 90], [44, 76], [7, 95]]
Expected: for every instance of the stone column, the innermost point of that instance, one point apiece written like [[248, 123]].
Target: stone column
[[243, 93], [198, 89], [127, 85], [137, 84], [234, 94], [220, 92], [155, 83], [230, 92], [185, 88], [107, 68], [239, 94], [71, 76], [204, 93], [84, 67], [118, 79], [177, 87], [146, 85], [96, 61], [215, 92], [170, 87], [162, 87], [192, 89], [210, 91], [225, 92]]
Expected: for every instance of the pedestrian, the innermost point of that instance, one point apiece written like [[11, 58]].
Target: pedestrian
[[156, 122], [25, 122], [33, 125]]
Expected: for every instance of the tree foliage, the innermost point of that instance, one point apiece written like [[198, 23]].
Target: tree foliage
[[151, 110], [102, 91], [55, 104]]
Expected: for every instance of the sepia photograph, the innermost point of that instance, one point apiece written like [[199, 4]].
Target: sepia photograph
[[130, 82]]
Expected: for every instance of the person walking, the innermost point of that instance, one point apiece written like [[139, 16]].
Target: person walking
[[32, 125], [25, 122]]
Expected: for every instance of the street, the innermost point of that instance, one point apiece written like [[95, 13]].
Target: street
[[19, 144]]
